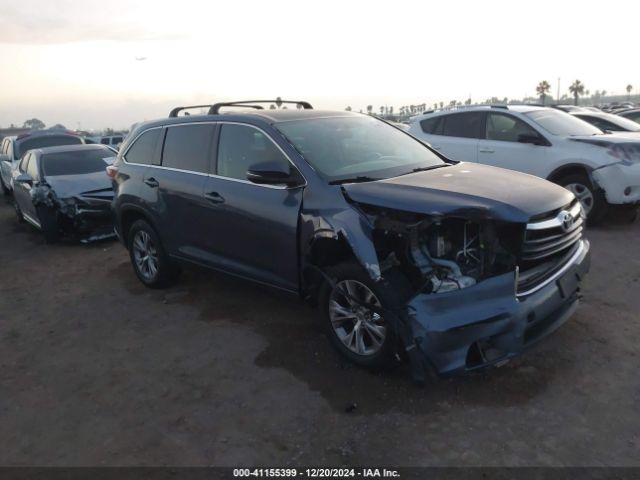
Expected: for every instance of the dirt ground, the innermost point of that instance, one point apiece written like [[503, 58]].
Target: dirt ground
[[95, 369]]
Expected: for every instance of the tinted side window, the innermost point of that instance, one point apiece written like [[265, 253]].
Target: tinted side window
[[432, 126], [105, 141], [144, 148], [188, 147], [465, 125], [240, 147], [506, 128]]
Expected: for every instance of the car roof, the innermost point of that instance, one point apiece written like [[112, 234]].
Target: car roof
[[268, 116], [71, 148], [46, 133]]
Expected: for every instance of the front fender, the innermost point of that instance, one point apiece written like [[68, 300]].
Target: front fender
[[347, 225]]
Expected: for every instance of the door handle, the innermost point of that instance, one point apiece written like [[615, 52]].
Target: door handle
[[152, 182], [486, 150], [214, 197]]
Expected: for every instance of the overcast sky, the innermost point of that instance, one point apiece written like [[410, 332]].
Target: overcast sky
[[96, 64]]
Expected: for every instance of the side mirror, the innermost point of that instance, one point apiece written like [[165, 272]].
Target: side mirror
[[533, 139], [24, 178], [272, 173]]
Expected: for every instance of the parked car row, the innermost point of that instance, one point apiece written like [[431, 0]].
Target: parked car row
[[601, 169]]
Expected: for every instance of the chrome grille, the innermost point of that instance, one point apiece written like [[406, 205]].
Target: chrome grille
[[549, 243]]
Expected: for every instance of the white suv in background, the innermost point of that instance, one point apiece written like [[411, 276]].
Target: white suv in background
[[600, 169]]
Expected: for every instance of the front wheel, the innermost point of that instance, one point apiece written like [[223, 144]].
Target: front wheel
[[359, 333], [592, 199], [150, 262], [19, 215], [48, 223]]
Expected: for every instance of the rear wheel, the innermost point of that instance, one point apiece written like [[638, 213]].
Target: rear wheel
[[592, 198], [150, 263], [361, 334]]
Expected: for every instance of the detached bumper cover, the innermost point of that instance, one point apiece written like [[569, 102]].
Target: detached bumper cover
[[620, 182], [487, 324]]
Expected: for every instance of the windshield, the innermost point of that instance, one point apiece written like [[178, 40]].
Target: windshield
[[561, 123], [75, 163], [341, 148]]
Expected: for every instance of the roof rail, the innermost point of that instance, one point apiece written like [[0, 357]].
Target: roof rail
[[465, 107], [175, 111], [215, 109]]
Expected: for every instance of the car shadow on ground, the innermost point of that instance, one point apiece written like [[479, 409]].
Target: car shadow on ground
[[297, 343]]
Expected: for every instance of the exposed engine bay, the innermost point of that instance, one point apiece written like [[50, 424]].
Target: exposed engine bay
[[440, 254]]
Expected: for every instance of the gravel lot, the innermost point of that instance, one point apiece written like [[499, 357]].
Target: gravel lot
[[97, 370]]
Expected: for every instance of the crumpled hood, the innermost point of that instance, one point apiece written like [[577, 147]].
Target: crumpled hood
[[467, 190], [89, 186]]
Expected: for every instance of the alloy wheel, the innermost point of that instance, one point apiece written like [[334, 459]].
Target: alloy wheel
[[583, 194], [145, 255], [360, 329]]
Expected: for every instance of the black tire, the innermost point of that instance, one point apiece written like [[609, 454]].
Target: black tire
[[165, 271], [392, 291], [599, 205], [19, 215], [48, 223]]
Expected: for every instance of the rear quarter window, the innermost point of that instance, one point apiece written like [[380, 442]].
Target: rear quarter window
[[432, 126], [143, 149]]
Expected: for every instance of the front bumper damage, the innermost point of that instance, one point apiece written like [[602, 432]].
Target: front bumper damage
[[88, 220], [620, 182], [488, 324]]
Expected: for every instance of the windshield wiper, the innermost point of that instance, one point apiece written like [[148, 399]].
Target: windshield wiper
[[360, 178], [432, 167]]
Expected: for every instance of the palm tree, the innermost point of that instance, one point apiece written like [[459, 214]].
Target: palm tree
[[369, 109], [542, 89], [381, 110], [629, 88], [576, 89], [348, 109]]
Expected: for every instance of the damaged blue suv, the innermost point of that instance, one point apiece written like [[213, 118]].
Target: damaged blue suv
[[453, 266]]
